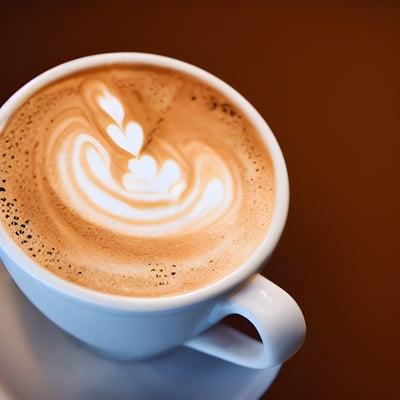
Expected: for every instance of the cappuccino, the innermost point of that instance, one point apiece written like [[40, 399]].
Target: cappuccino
[[135, 180]]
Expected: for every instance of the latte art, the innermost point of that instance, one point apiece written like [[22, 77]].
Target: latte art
[[134, 180], [110, 176]]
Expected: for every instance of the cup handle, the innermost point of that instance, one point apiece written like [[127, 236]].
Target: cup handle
[[276, 316]]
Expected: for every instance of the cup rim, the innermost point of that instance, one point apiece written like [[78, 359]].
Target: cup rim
[[231, 281]]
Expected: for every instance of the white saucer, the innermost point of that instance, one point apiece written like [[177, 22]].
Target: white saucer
[[39, 361]]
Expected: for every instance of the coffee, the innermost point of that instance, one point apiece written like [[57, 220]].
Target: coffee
[[134, 180]]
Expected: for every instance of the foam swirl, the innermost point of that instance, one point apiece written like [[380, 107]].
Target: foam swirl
[[114, 173]]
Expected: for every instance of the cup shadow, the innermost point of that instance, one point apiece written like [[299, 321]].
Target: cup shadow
[[39, 360]]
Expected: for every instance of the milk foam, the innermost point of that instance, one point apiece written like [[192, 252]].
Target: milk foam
[[134, 180], [152, 196]]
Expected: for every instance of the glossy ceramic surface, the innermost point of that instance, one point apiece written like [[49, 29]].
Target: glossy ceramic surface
[[39, 361]]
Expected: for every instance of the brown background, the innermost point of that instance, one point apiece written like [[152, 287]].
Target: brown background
[[325, 76]]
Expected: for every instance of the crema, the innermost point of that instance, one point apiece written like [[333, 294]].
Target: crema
[[135, 180]]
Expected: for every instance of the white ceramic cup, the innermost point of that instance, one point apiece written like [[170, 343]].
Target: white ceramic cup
[[136, 328]]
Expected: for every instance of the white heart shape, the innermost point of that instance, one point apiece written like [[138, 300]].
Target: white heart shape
[[131, 140], [112, 106], [144, 168], [134, 135]]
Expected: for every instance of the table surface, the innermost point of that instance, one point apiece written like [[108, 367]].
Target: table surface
[[325, 75]]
